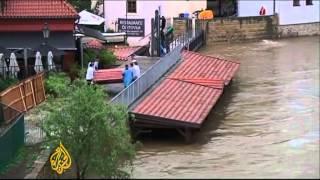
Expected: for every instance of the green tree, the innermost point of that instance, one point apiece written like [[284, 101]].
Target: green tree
[[94, 132], [80, 5]]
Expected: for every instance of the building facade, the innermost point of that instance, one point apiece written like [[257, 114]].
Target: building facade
[[289, 11], [296, 17], [22, 22], [145, 9]]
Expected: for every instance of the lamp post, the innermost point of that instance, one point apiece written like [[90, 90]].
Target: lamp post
[[274, 7], [46, 33]]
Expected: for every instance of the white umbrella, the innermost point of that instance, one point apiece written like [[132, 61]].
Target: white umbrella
[[38, 67], [3, 66], [51, 65], [13, 65]]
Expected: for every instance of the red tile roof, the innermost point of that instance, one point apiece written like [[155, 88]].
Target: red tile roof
[[196, 65], [123, 53], [186, 96], [38, 9], [176, 100], [214, 83], [108, 75], [94, 44]]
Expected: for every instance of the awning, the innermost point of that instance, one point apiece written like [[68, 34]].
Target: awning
[[91, 32], [88, 18], [19, 40], [44, 49]]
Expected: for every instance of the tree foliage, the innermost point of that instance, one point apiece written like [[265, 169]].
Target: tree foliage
[[84, 125], [80, 5], [56, 84]]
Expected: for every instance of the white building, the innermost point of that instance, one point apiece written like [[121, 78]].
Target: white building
[[289, 11], [145, 9]]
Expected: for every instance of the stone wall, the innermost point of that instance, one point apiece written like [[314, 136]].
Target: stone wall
[[235, 29], [295, 30], [238, 29]]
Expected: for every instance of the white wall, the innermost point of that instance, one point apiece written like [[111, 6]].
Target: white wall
[[252, 8], [288, 14], [174, 8], [115, 9]]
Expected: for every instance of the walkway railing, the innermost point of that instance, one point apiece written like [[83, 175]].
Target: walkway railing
[[136, 89], [128, 95]]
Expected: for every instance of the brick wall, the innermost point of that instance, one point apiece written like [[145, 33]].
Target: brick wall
[[294, 30], [235, 29]]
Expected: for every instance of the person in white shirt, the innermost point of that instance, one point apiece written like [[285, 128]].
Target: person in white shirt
[[133, 71], [90, 74], [137, 69]]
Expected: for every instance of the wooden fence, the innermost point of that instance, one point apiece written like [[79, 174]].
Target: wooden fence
[[23, 96]]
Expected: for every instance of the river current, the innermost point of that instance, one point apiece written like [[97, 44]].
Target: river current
[[266, 125]]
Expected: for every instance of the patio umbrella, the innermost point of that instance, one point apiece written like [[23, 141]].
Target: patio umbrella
[[51, 65], [38, 67], [3, 65], [13, 65]]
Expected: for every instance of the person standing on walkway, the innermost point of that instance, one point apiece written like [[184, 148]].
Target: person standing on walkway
[[136, 68], [90, 74], [132, 68], [127, 76], [96, 63]]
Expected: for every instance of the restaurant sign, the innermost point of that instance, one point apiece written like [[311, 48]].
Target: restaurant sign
[[135, 27]]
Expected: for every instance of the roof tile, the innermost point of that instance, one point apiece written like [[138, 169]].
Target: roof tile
[[38, 9]]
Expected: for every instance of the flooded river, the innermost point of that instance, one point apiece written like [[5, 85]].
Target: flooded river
[[265, 125]]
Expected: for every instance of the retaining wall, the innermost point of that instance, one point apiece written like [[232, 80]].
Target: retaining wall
[[294, 30]]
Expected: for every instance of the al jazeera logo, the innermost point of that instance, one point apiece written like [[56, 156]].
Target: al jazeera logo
[[60, 160]]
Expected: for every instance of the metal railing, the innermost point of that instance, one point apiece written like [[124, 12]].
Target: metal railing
[[34, 133], [197, 41], [136, 89]]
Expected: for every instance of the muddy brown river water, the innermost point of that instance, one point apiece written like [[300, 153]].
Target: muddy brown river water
[[266, 125]]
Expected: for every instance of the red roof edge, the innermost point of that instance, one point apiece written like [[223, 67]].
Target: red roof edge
[[196, 53], [72, 8]]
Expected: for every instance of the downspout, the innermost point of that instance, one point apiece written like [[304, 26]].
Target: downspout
[[104, 16], [274, 7], [81, 45], [126, 21]]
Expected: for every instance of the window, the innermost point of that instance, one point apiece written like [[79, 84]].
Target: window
[[296, 2], [309, 2], [132, 6]]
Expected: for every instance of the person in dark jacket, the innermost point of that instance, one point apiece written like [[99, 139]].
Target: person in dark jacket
[[163, 22]]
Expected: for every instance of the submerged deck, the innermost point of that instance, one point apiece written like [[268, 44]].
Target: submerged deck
[[185, 97]]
